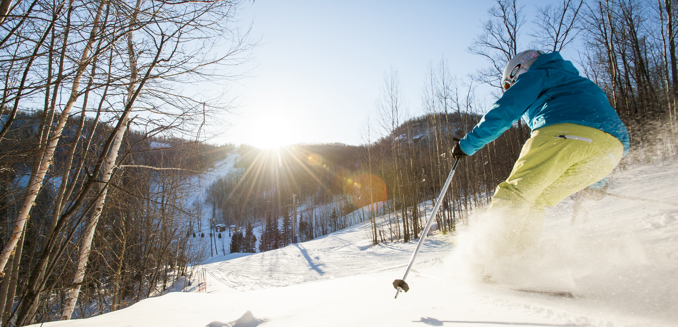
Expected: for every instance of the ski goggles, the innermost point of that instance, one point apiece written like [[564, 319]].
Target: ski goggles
[[513, 76], [515, 72]]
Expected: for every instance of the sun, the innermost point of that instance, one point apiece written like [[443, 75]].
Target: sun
[[268, 143], [273, 132]]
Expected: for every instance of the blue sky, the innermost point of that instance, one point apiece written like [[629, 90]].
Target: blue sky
[[319, 67]]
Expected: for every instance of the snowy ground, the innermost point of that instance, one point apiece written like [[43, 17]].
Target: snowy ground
[[620, 260], [197, 195]]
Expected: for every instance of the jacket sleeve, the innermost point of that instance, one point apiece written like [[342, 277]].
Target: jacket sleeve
[[506, 111]]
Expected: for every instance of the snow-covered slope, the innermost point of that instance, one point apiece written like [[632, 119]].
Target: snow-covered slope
[[620, 260], [203, 181], [195, 199]]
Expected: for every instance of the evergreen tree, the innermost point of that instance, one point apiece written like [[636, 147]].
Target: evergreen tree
[[277, 234], [269, 239], [334, 219], [304, 231], [264, 239], [236, 242], [286, 230], [305, 228], [250, 239]]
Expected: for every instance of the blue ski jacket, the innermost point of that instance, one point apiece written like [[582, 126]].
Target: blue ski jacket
[[550, 92]]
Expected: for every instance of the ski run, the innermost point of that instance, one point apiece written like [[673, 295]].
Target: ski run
[[619, 260]]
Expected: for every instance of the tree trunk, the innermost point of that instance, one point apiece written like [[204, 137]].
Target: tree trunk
[[40, 170], [672, 51], [109, 166], [13, 283]]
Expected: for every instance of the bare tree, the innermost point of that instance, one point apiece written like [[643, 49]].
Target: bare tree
[[4, 9], [499, 41], [669, 51], [557, 25], [367, 138], [391, 115], [109, 164], [40, 169]]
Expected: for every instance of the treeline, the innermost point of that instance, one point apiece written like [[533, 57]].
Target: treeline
[[631, 54], [95, 162]]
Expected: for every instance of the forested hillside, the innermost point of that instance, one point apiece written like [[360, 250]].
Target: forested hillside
[[272, 185]]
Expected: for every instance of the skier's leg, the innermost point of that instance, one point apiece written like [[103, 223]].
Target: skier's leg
[[597, 162], [604, 155], [541, 162], [530, 231], [544, 159], [549, 169]]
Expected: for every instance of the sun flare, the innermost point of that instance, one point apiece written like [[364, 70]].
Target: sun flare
[[273, 133], [270, 142]]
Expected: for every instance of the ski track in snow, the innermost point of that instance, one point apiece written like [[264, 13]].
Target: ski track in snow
[[619, 259]]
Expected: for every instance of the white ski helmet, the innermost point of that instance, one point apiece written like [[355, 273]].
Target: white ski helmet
[[518, 65]]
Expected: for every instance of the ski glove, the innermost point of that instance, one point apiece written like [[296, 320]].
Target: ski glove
[[457, 153]]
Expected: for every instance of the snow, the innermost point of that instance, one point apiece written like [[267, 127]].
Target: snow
[[203, 181], [197, 195], [160, 145], [21, 181], [620, 260]]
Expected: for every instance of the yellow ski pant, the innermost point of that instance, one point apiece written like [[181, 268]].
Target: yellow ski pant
[[557, 161]]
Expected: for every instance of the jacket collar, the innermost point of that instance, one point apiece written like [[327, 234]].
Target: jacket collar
[[554, 60]]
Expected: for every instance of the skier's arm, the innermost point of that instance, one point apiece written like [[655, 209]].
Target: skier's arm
[[506, 111]]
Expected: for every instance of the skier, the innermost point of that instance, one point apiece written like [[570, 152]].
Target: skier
[[577, 140]]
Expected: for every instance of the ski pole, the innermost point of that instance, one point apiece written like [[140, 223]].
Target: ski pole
[[400, 284], [641, 199]]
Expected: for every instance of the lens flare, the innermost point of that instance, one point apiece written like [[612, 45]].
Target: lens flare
[[315, 160], [365, 189]]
